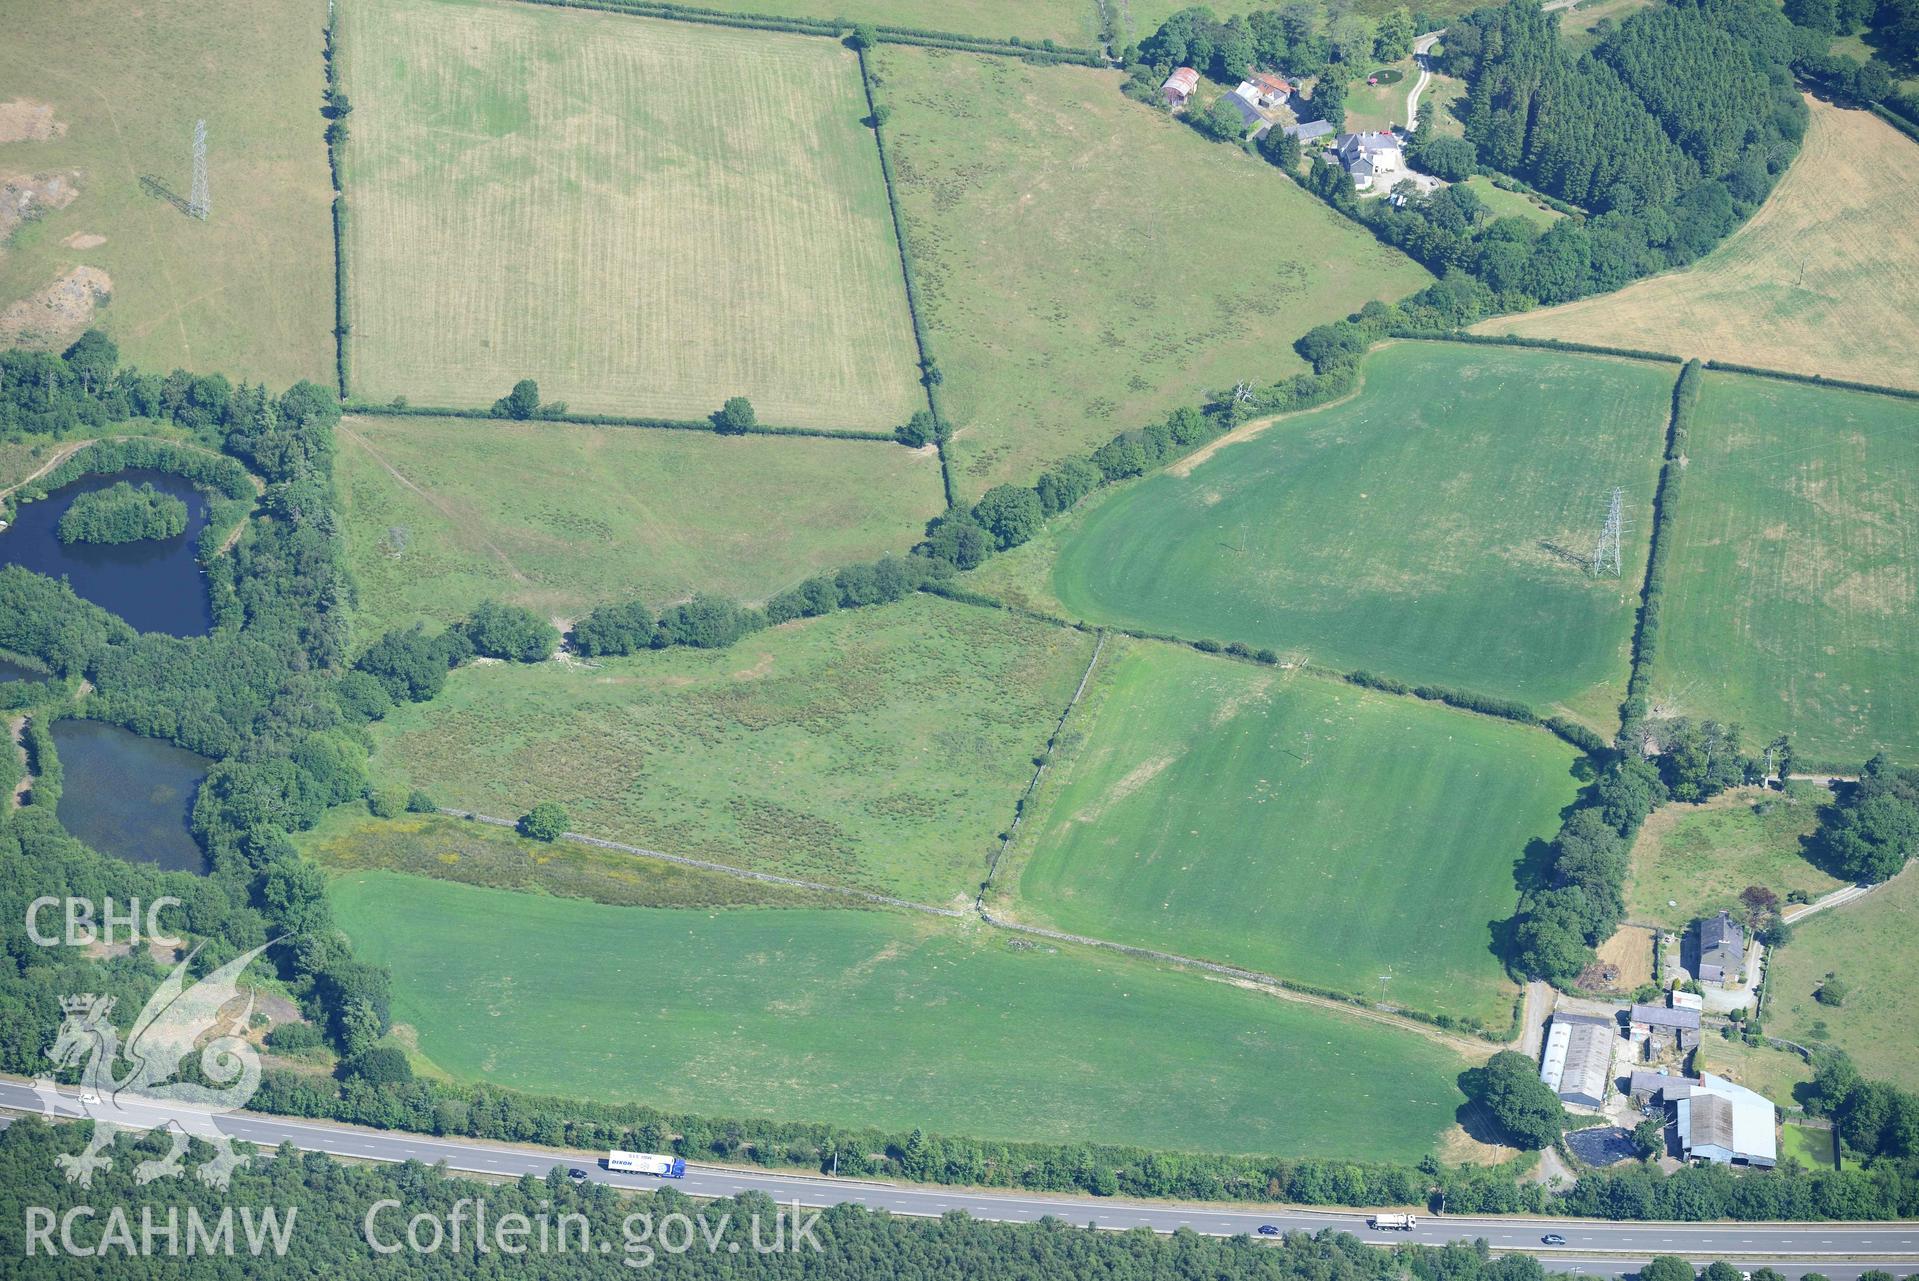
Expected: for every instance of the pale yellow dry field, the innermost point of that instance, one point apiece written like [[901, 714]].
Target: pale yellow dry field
[[1823, 280], [647, 217]]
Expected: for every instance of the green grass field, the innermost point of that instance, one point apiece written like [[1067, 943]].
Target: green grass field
[[1292, 825], [248, 292], [21, 458], [444, 513], [634, 249], [1775, 1073], [880, 748], [1502, 203], [1086, 263], [882, 1019], [1871, 945], [1577, 23], [1429, 528], [1790, 601], [1066, 22], [1701, 856], [1382, 105]]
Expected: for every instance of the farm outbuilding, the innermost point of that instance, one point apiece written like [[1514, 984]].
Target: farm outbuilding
[[1727, 1124], [1179, 87], [1273, 90], [1578, 1060], [1661, 1019], [1650, 1087], [1244, 100]]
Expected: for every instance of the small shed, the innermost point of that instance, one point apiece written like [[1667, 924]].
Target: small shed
[[1179, 86], [1659, 1087]]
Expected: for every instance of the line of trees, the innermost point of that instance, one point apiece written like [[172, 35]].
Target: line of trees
[[328, 1203]]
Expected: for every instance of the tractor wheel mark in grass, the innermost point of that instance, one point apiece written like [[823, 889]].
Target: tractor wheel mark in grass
[[1264, 982], [443, 508]]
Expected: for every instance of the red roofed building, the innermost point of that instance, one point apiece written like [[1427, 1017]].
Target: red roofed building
[[1273, 90], [1179, 86]]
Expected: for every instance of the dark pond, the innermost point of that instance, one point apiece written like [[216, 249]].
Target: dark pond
[[12, 671], [129, 796], [156, 584]]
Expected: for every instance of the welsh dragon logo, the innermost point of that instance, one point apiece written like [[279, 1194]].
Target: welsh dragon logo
[[181, 1019]]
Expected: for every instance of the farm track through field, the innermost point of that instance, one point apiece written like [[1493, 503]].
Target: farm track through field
[[60, 456], [1039, 773], [68, 451], [1248, 430], [460, 521], [1268, 983]]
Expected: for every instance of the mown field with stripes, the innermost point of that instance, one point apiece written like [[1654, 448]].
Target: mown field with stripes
[[646, 217]]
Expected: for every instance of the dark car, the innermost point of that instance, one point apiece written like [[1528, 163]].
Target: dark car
[[1268, 1230], [1552, 1238], [576, 1174]]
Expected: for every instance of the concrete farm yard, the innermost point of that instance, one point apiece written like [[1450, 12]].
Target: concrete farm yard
[[635, 250]]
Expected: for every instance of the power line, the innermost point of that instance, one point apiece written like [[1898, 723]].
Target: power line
[[198, 203], [1608, 551]]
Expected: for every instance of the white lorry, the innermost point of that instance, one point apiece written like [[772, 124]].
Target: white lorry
[[1393, 1222], [666, 1167]]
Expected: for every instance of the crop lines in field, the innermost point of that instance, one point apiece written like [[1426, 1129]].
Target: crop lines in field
[[647, 217], [1792, 583]]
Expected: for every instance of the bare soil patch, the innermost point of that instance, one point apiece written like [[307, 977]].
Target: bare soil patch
[[1456, 1147], [1628, 953], [24, 196], [84, 240], [56, 315], [24, 120]]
